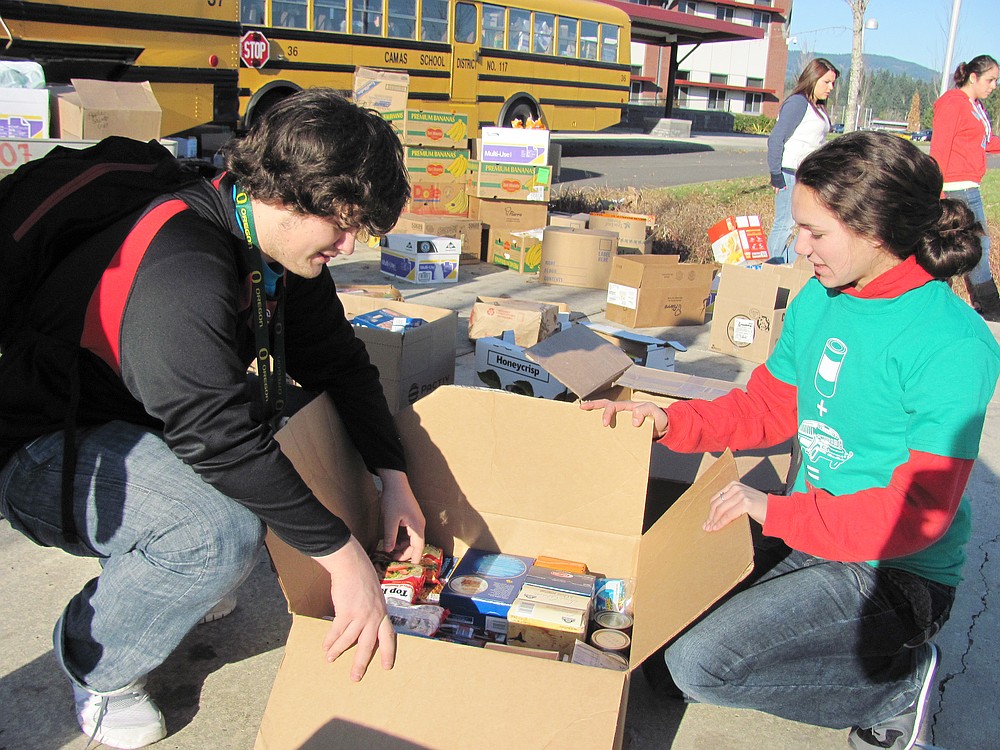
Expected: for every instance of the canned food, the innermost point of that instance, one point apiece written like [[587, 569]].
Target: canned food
[[614, 621], [612, 641]]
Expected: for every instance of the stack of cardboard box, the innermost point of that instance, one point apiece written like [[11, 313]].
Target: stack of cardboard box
[[509, 181]]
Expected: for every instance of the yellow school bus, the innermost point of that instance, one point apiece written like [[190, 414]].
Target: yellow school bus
[[223, 62]]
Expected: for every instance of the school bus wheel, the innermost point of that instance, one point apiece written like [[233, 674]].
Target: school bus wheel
[[519, 109], [266, 101]]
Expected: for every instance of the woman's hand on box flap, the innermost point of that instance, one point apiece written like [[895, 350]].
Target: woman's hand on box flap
[[641, 411], [735, 500], [359, 614], [400, 509]]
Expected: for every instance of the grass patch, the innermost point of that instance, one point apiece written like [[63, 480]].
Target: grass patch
[[684, 213]]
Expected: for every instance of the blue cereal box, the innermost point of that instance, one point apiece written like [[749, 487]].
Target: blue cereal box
[[483, 587]]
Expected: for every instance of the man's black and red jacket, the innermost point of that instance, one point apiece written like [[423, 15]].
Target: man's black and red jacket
[[158, 329]]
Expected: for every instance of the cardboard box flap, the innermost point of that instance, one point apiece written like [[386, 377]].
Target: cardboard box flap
[[96, 95], [581, 359], [318, 446], [329, 712], [473, 472], [675, 585], [674, 384], [759, 285]]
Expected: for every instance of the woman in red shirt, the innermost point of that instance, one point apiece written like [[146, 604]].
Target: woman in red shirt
[[962, 138]]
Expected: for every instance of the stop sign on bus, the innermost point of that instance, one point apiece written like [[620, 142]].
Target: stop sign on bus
[[255, 50]]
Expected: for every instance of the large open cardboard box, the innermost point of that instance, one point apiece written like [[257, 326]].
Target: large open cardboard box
[[460, 446]]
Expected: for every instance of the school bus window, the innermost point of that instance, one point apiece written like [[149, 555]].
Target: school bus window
[[588, 40], [465, 23], [252, 11], [518, 30], [543, 33], [567, 37], [493, 24], [291, 14], [609, 43], [403, 19], [434, 21], [330, 15], [366, 17]]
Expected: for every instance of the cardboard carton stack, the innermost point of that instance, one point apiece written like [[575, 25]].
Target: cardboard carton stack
[[510, 180]]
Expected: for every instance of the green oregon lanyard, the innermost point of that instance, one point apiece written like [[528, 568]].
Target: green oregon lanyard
[[270, 340]]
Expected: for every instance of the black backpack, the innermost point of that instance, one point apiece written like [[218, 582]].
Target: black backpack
[[49, 207]]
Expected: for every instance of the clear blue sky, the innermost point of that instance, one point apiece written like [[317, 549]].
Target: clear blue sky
[[912, 30]]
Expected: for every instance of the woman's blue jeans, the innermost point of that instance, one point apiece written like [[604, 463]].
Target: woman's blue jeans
[[783, 224], [171, 546], [825, 643], [974, 200]]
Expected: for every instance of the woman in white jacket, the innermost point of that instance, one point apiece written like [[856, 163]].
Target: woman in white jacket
[[802, 127]]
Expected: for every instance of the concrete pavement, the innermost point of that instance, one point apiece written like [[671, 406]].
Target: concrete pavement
[[214, 688]]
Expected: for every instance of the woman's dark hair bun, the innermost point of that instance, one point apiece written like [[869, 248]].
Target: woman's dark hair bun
[[951, 246]]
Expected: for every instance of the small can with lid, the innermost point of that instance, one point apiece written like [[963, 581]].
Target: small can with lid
[[611, 641], [614, 621]]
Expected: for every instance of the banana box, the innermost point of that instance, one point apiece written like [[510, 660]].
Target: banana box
[[423, 127], [519, 251], [434, 165], [438, 199], [738, 240], [420, 258], [513, 182]]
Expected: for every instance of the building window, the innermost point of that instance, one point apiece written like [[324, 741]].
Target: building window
[[721, 79], [723, 13], [760, 20], [752, 102], [763, 3], [755, 83], [682, 75], [681, 96], [717, 100], [687, 6]]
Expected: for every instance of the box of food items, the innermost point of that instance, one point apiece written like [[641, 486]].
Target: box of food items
[[566, 561]]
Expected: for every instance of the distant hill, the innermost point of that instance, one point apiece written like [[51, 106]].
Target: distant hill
[[873, 62]]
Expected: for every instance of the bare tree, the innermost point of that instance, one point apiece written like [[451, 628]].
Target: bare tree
[[858, 8]]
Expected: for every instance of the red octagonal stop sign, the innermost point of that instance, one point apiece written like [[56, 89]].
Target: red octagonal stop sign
[[255, 50]]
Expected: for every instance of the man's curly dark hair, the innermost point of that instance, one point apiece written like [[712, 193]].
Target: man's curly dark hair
[[319, 154]]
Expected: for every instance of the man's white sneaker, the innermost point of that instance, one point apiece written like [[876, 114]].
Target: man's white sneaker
[[223, 607], [124, 718]]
